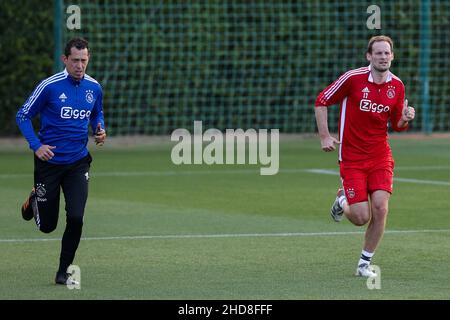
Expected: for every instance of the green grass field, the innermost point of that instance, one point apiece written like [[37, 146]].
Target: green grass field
[[154, 230]]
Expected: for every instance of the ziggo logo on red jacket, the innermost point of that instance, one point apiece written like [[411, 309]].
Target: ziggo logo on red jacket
[[367, 105]]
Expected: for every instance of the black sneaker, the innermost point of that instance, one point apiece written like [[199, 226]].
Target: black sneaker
[[27, 208], [64, 278]]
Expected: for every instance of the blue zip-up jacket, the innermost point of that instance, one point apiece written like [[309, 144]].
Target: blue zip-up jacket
[[66, 107]]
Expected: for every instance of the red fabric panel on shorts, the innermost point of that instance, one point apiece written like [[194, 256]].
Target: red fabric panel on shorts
[[381, 178], [361, 179]]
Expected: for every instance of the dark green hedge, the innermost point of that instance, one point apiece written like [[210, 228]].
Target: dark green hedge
[[26, 54], [232, 64]]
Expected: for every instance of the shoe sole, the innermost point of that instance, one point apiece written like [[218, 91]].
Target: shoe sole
[[334, 217]]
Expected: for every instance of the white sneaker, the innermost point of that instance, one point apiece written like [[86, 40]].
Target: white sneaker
[[364, 270]]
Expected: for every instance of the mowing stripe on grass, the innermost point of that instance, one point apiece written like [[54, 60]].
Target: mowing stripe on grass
[[242, 171], [229, 235]]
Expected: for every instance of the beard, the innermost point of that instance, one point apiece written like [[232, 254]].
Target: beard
[[381, 69]]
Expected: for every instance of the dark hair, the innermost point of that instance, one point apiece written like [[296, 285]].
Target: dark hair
[[378, 39], [79, 43]]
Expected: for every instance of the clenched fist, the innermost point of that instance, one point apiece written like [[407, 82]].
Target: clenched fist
[[100, 135], [408, 113]]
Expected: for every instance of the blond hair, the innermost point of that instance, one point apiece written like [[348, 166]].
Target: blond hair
[[378, 39]]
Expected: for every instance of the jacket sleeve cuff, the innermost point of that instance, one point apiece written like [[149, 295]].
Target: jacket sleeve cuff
[[35, 145]]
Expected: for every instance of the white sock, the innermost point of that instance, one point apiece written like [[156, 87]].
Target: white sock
[[365, 257], [342, 199]]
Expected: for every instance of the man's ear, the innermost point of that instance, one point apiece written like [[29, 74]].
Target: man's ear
[[368, 55], [63, 58]]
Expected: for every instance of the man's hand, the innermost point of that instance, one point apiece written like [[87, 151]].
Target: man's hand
[[328, 143], [100, 135], [45, 152], [408, 113]]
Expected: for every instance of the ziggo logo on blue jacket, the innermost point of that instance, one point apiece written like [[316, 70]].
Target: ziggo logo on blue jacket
[[69, 113]]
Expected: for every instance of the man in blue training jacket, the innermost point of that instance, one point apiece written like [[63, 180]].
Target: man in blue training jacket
[[67, 103]]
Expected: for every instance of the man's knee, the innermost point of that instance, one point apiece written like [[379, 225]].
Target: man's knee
[[380, 200], [47, 228], [46, 215], [359, 217], [379, 211], [360, 220], [359, 214]]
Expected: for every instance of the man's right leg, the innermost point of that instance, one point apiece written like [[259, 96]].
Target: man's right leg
[[47, 178], [354, 204], [28, 205], [352, 199], [358, 214]]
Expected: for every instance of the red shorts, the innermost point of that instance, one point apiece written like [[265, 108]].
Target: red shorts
[[362, 178]]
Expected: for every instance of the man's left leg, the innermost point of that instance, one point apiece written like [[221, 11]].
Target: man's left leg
[[379, 182], [375, 230], [75, 188]]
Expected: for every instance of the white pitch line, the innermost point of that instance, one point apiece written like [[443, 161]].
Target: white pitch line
[[227, 235], [323, 171], [433, 182], [421, 168]]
